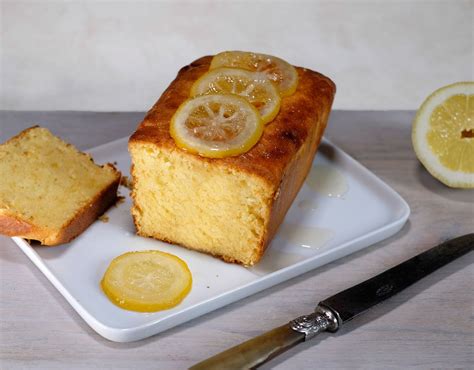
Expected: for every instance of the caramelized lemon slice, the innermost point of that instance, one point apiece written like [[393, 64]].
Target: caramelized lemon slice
[[216, 126], [147, 281], [254, 87], [443, 134], [284, 75]]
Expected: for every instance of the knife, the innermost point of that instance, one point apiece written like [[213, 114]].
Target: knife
[[335, 311]]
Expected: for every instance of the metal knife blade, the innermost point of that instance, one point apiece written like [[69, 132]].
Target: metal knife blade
[[334, 311], [359, 298]]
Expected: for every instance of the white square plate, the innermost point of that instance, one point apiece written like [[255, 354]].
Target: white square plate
[[370, 211]]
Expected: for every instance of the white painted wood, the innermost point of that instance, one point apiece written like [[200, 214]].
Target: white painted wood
[[428, 325]]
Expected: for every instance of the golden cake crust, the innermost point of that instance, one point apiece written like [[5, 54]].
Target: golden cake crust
[[281, 139]]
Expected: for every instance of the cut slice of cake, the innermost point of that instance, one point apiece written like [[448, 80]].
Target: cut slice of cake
[[50, 191], [228, 207]]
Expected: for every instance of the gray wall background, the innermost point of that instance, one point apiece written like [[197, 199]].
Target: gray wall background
[[121, 55]]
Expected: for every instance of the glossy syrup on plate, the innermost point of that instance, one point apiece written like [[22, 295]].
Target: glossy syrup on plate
[[306, 236], [310, 204], [327, 181]]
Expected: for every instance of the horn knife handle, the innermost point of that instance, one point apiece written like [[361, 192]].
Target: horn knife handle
[[259, 350]]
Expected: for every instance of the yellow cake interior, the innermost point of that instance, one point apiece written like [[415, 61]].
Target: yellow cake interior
[[221, 210], [45, 181]]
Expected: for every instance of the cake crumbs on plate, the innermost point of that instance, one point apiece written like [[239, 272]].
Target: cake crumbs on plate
[[125, 181], [120, 200], [104, 218]]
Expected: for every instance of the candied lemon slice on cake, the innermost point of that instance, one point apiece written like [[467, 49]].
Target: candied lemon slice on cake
[[254, 87], [283, 74], [443, 134], [147, 281], [216, 125]]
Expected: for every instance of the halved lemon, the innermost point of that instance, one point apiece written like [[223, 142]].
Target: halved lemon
[[147, 281], [284, 75], [443, 134], [216, 125], [254, 87]]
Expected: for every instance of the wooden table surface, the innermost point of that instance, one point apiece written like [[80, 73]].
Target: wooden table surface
[[429, 325]]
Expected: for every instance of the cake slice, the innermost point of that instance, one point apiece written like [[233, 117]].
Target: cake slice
[[228, 207], [49, 191]]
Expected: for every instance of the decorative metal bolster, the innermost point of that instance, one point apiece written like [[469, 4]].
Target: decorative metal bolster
[[310, 325]]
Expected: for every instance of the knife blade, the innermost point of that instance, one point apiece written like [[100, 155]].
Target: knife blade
[[336, 310]]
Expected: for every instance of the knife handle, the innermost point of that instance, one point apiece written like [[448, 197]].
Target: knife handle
[[259, 350], [253, 352], [321, 319]]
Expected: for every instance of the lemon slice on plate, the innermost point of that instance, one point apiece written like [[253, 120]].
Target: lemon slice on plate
[[443, 134], [147, 281], [216, 126], [284, 75], [254, 87]]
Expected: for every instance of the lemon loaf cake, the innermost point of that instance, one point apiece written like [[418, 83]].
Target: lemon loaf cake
[[227, 207], [49, 191]]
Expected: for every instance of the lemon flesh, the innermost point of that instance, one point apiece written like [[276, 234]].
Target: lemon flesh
[[216, 126], [283, 74], [443, 134], [147, 281], [254, 87]]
